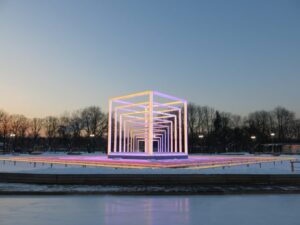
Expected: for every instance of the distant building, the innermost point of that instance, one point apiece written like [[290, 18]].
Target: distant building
[[285, 148], [291, 148]]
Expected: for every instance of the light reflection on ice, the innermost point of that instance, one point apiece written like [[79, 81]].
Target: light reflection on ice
[[150, 210]]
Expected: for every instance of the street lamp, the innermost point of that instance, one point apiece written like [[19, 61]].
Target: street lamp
[[272, 137], [13, 138], [253, 138], [92, 141], [201, 137]]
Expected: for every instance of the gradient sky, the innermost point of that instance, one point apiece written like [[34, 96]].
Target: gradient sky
[[236, 56]]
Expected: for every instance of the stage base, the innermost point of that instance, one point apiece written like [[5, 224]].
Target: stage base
[[147, 157]]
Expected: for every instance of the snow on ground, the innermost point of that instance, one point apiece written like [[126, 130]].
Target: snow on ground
[[24, 167]]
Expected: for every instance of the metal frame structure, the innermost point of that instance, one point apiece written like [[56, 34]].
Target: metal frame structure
[[147, 124]]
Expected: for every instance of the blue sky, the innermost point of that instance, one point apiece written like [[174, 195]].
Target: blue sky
[[236, 56]]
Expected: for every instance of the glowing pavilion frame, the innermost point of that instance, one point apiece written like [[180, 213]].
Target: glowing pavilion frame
[[147, 124]]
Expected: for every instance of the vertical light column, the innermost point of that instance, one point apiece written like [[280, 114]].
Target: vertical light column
[[115, 131], [150, 124], [168, 139], [165, 142], [120, 133], [175, 131], [134, 143], [185, 129], [124, 139], [180, 131], [146, 117], [172, 143], [109, 126]]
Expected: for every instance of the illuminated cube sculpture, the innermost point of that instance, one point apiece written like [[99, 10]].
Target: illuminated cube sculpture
[[147, 125]]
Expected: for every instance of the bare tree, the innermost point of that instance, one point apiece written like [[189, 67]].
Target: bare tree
[[19, 125], [284, 121], [296, 129], [2, 115], [36, 126], [262, 122], [209, 117], [51, 126], [2, 118], [236, 121], [4, 127], [94, 121], [23, 131], [76, 124], [64, 130], [15, 124], [200, 120], [192, 120]]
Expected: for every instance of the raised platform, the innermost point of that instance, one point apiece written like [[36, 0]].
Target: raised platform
[[156, 156], [192, 162]]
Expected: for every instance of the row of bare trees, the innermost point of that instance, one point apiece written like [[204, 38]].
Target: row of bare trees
[[82, 129], [208, 129], [224, 131]]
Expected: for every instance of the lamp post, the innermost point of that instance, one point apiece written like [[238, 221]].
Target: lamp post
[[272, 137], [201, 137], [253, 138], [92, 140], [13, 140]]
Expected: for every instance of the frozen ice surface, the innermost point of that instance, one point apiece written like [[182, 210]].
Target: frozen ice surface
[[150, 210]]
